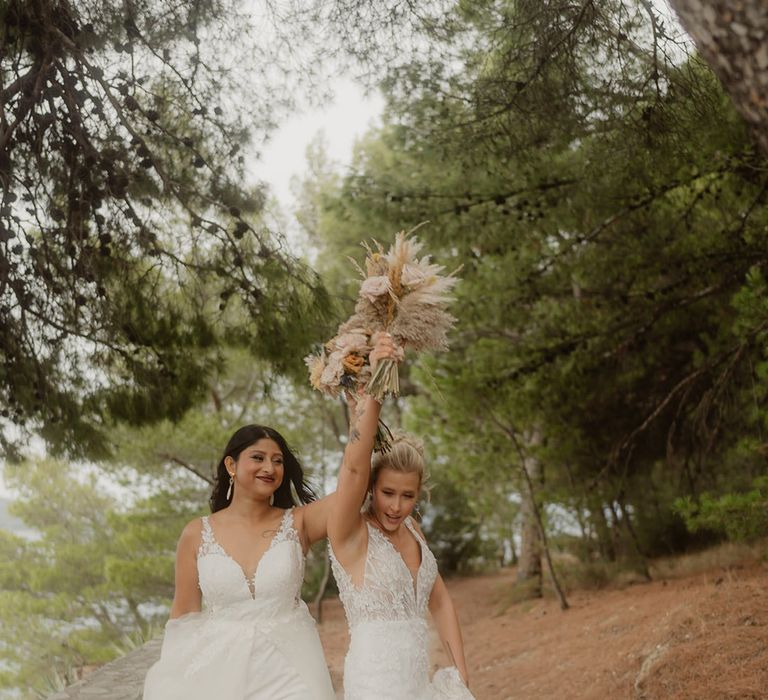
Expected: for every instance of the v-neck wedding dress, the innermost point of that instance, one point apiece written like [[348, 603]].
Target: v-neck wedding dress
[[254, 639], [388, 657]]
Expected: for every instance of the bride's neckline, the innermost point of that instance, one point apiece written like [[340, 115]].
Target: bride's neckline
[[250, 581], [414, 576]]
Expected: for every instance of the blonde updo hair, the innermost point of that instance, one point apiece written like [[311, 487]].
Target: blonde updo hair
[[406, 455]]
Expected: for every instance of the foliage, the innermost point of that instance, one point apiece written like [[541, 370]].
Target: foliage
[[739, 516], [450, 525], [95, 571], [609, 211], [130, 249]]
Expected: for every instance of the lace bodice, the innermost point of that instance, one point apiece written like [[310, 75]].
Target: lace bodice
[[388, 592], [254, 638], [388, 657], [275, 587]]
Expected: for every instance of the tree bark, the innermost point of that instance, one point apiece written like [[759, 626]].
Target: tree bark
[[534, 536], [641, 561], [733, 38], [529, 562], [543, 544], [603, 532], [513, 549]]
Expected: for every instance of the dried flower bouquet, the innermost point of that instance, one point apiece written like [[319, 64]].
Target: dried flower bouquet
[[402, 294]]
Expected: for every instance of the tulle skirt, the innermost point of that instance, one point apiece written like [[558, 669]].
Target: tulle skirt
[[234, 654]]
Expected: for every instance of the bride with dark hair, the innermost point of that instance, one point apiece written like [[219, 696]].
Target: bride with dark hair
[[239, 629]]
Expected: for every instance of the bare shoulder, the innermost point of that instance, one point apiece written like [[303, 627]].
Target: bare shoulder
[[192, 534], [299, 515], [303, 512]]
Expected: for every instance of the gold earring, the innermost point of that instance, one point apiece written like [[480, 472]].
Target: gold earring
[[231, 484]]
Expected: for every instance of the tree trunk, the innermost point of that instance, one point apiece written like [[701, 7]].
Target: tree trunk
[[529, 561], [534, 536], [512, 548], [733, 38], [641, 561], [602, 530], [543, 545]]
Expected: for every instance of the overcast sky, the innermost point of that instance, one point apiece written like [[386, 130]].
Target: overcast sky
[[342, 121]]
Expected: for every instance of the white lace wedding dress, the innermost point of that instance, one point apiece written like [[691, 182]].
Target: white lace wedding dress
[[254, 640], [388, 657]]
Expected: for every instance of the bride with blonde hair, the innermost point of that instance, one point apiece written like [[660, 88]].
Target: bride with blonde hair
[[386, 574]]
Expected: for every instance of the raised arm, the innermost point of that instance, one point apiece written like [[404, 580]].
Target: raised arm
[[187, 596], [314, 519], [345, 520], [447, 623], [355, 472]]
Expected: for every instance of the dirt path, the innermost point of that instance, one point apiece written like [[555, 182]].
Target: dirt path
[[702, 637]]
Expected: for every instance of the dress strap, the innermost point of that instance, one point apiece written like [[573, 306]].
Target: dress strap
[[208, 541], [287, 530], [287, 520], [409, 524], [207, 531]]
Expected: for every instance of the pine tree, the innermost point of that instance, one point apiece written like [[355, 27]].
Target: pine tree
[[130, 250]]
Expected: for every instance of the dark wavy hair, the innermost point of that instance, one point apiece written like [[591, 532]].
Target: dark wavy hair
[[293, 471]]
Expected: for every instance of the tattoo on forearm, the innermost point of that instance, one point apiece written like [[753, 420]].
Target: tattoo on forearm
[[354, 435]]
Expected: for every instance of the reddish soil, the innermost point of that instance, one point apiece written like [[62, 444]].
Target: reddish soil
[[702, 637]]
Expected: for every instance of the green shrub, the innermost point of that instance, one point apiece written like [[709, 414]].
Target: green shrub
[[739, 516]]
